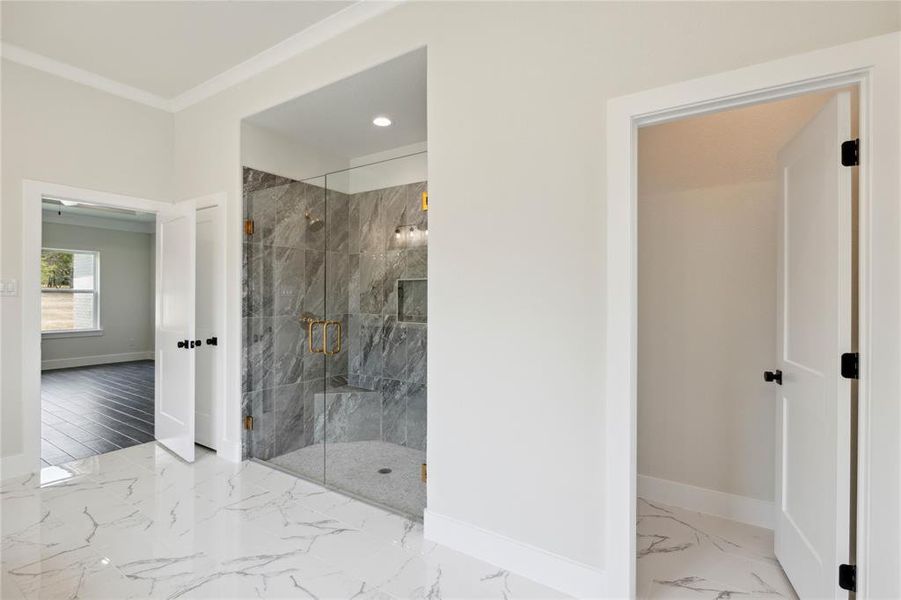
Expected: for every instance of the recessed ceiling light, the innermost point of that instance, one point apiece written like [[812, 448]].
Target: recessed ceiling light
[[381, 121]]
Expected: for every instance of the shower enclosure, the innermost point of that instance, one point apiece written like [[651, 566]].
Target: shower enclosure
[[334, 328]]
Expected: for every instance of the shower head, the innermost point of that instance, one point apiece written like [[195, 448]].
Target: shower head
[[313, 224]]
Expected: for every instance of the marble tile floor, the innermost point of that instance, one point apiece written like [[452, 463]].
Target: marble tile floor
[[140, 523], [685, 554], [354, 467]]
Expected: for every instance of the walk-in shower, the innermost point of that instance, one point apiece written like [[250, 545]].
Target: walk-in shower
[[335, 327]]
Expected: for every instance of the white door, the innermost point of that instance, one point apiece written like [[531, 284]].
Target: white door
[[209, 297], [175, 339], [814, 329]]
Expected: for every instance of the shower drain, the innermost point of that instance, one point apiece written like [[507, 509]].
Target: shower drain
[[384, 470]]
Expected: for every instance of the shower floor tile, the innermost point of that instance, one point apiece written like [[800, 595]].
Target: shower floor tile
[[686, 554], [354, 467]]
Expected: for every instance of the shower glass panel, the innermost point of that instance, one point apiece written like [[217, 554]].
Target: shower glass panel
[[335, 312], [374, 406], [283, 295]]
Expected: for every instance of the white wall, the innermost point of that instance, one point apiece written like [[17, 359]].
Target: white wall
[[271, 152], [399, 166], [126, 294], [57, 131], [517, 95], [706, 333]]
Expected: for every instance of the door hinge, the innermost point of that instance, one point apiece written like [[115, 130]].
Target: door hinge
[[851, 365], [851, 153], [248, 226], [248, 422], [423, 472], [847, 577]]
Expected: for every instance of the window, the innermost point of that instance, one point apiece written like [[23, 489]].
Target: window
[[70, 291]]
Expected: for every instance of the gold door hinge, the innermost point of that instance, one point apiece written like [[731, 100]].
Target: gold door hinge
[[423, 472], [248, 226], [425, 201], [248, 422]]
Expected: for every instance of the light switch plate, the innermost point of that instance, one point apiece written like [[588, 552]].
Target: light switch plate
[[9, 287]]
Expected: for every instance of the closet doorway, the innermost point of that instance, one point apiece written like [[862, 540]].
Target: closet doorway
[[747, 302]]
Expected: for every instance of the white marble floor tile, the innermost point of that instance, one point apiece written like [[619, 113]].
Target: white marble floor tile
[[684, 554], [140, 523]]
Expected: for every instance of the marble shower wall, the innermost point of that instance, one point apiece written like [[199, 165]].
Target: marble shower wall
[[285, 261], [292, 270], [388, 243]]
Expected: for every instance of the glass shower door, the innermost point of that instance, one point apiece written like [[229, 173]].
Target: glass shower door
[[374, 403], [283, 300]]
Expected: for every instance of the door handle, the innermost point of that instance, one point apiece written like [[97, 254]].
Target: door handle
[[773, 376], [310, 324], [325, 337]]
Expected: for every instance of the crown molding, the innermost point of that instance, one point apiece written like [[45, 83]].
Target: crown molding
[[63, 70], [315, 34]]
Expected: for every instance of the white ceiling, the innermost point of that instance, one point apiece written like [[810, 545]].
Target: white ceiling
[[733, 146], [164, 48], [337, 119]]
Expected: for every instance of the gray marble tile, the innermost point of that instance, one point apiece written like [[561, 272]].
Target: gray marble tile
[[337, 283], [254, 180], [336, 364], [415, 263], [394, 215], [412, 300], [314, 283], [415, 214], [372, 345], [263, 434], [262, 208], [290, 224], [313, 362], [313, 410], [258, 281], [338, 211], [289, 288], [290, 350], [353, 283], [393, 269], [394, 349], [258, 349], [289, 422], [353, 224], [372, 232], [349, 417], [416, 416], [372, 283], [417, 353], [394, 407], [314, 199]]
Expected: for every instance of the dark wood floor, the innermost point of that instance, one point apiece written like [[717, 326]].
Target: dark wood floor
[[92, 410]]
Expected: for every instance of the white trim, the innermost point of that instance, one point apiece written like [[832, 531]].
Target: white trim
[[76, 220], [98, 359], [52, 66], [314, 35], [553, 570], [874, 63], [743, 509], [33, 193], [72, 333]]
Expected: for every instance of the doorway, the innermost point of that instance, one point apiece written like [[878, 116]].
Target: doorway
[[727, 248], [89, 283]]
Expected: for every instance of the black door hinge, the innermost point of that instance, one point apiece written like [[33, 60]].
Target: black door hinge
[[851, 153], [851, 365], [847, 577], [248, 422]]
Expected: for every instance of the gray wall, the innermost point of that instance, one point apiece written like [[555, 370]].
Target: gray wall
[[126, 292], [290, 273]]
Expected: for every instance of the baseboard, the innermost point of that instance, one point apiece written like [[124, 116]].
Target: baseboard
[[18, 465], [230, 451], [101, 359], [566, 575], [752, 511]]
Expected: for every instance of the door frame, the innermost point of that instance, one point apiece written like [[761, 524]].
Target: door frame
[[873, 65], [33, 193]]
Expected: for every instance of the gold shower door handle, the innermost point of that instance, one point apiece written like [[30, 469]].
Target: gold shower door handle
[[325, 337], [310, 324]]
